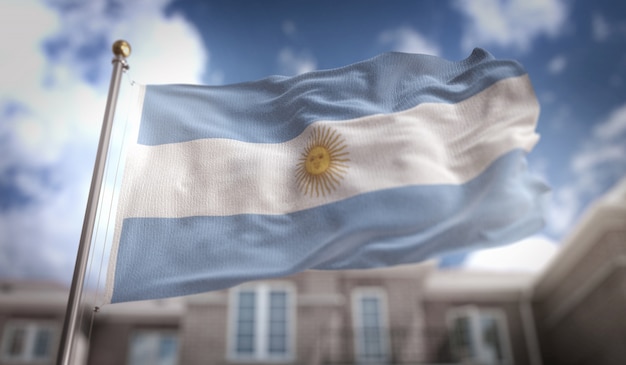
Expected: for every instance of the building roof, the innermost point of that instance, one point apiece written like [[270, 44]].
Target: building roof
[[605, 215]]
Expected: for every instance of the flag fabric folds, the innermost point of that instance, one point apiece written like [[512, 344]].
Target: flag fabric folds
[[389, 161]]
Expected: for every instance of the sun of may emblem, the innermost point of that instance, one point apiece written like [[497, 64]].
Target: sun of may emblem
[[323, 162]]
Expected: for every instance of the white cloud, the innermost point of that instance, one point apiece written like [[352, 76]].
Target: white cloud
[[21, 25], [529, 255], [600, 28], [513, 23], [564, 206], [406, 39], [605, 150], [614, 126], [60, 101], [595, 168], [557, 65], [52, 99], [592, 157], [165, 50], [39, 240], [292, 63]]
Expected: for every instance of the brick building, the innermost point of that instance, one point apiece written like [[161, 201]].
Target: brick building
[[404, 315]]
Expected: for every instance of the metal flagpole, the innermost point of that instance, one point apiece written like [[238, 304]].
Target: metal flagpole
[[121, 50]]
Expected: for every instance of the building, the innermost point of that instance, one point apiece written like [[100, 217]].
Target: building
[[572, 313], [579, 300], [31, 319], [403, 315]]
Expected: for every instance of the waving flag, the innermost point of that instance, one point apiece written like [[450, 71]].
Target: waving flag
[[389, 161]]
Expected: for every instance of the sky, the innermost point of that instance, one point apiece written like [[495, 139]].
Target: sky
[[56, 66]]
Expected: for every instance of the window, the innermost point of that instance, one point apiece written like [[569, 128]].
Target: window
[[370, 325], [153, 347], [479, 335], [261, 322], [25, 341]]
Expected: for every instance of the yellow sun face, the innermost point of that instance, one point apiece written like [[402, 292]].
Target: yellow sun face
[[317, 160], [322, 164]]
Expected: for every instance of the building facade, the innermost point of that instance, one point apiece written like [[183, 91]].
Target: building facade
[[580, 299], [403, 315]]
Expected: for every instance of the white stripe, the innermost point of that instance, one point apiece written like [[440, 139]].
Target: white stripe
[[433, 143]]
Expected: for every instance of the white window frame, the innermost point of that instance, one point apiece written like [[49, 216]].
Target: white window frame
[[357, 316], [262, 292], [32, 328], [152, 332], [479, 348]]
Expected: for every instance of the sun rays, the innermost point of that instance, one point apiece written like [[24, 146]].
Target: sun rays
[[322, 164]]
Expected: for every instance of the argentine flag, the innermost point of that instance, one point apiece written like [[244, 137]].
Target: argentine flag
[[389, 161]]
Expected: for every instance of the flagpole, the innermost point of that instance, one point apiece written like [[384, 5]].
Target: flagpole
[[121, 50]]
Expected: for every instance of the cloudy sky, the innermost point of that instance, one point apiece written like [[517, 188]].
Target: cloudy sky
[[55, 70]]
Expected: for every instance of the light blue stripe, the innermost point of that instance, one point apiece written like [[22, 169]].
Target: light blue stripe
[[278, 109], [163, 257]]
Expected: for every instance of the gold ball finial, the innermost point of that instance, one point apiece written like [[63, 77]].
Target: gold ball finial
[[121, 48]]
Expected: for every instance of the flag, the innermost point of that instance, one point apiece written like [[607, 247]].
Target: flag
[[389, 161]]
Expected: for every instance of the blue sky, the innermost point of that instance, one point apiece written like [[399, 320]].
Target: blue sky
[[56, 69]]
